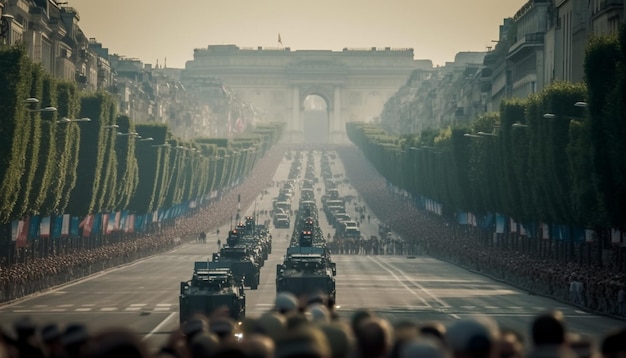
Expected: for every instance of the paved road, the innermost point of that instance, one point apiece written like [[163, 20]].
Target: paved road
[[144, 295]]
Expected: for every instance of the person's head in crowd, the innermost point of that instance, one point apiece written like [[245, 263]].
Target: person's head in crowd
[[223, 327], [403, 331], [115, 343], [340, 338], [203, 344], [473, 338], [318, 313], [196, 324], [614, 344], [286, 303], [304, 342], [272, 324], [25, 329], [259, 346], [548, 329], [433, 329], [359, 316], [74, 339], [511, 344], [422, 348], [582, 346], [296, 321], [51, 338], [374, 337]]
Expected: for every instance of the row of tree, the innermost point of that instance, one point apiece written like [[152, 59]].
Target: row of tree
[[52, 164], [556, 157]]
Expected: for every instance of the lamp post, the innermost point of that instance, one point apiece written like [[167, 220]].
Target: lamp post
[[112, 126], [68, 120]]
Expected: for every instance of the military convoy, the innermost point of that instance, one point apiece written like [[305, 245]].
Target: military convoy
[[307, 268], [221, 282]]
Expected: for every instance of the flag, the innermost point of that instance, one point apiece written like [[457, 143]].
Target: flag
[[22, 233], [65, 226], [280, 41], [44, 227], [87, 225]]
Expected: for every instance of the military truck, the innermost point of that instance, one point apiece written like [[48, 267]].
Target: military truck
[[306, 271], [242, 264], [212, 286]]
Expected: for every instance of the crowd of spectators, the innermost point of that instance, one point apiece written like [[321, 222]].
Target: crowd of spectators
[[21, 279], [600, 289], [311, 328]]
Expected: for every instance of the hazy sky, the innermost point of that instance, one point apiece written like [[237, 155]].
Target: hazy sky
[[158, 29]]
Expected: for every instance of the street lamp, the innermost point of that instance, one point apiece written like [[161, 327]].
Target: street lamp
[[112, 126], [519, 125], [33, 100], [469, 135], [68, 120], [581, 104], [149, 139], [485, 134], [131, 134], [164, 145]]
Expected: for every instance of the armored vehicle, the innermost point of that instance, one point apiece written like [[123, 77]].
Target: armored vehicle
[[306, 271], [212, 286], [241, 259]]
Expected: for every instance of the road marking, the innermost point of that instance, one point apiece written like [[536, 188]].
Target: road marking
[[89, 305], [137, 305], [455, 316], [58, 310], [40, 306], [468, 307], [579, 311], [163, 304], [491, 307], [66, 305], [161, 308], [400, 281], [23, 311], [108, 309], [86, 309], [424, 289], [156, 329]]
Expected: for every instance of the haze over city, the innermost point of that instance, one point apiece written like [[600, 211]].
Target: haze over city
[[152, 30]]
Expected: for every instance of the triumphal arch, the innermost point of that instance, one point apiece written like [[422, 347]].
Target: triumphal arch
[[354, 83]]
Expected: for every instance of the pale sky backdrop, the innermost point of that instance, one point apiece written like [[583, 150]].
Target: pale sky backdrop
[[159, 29]]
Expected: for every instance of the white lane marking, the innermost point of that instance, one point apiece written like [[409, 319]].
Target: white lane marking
[[424, 289], [163, 304], [579, 311], [40, 306], [86, 309], [156, 329], [161, 308], [138, 305], [23, 311], [58, 310], [455, 316], [108, 309], [400, 281]]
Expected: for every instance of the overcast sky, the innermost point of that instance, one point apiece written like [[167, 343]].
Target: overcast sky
[[159, 29]]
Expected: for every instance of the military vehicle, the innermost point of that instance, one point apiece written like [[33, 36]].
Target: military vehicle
[[306, 271], [242, 259], [212, 286]]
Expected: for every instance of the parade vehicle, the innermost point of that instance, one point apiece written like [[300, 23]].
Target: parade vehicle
[[212, 286], [306, 271], [282, 221], [242, 259]]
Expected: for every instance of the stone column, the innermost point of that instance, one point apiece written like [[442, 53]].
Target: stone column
[[337, 121]]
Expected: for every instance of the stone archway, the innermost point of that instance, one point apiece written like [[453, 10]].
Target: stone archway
[[315, 117]]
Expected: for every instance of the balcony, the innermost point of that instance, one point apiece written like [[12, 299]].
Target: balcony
[[530, 42]]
